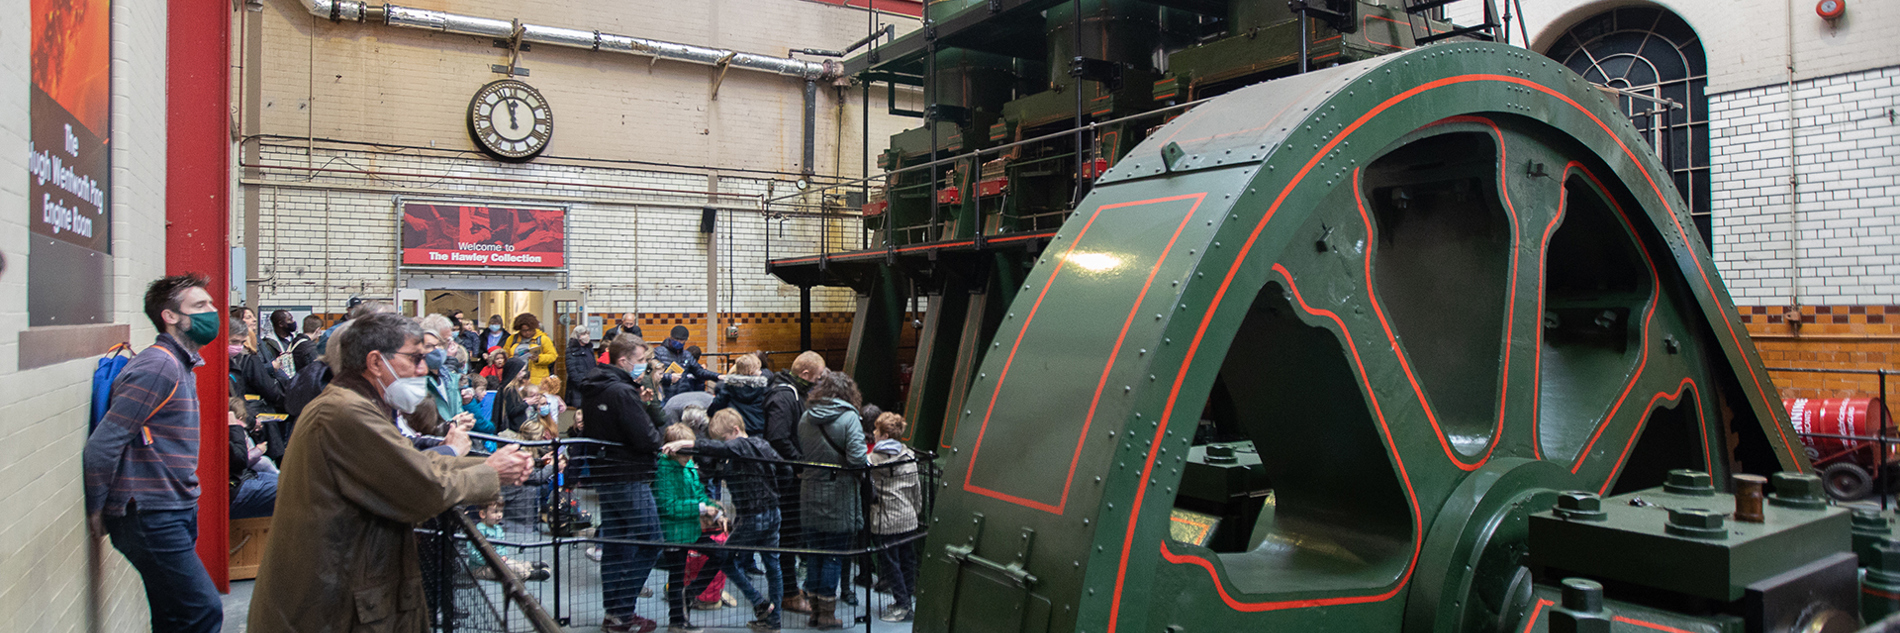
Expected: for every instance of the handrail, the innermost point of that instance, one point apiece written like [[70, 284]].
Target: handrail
[[980, 152]]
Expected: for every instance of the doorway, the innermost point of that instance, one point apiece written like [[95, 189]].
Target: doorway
[[559, 310]]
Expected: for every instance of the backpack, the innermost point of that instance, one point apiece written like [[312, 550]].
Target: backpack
[[306, 386], [285, 363], [103, 378]]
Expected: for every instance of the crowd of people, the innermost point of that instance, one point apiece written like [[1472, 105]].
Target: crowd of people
[[353, 434]]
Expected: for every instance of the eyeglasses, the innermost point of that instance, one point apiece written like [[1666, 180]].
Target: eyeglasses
[[416, 358]]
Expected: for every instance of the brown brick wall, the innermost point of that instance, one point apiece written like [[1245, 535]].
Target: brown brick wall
[[1854, 337], [769, 331]]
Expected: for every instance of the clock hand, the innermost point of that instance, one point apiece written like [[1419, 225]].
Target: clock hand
[[512, 124]]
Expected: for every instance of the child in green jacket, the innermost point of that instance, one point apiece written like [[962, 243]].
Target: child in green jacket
[[682, 502]]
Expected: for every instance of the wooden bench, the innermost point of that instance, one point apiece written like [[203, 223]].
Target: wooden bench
[[249, 537]]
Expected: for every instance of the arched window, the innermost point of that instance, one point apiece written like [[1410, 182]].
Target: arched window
[[1650, 51]]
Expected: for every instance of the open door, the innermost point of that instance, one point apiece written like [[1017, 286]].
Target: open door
[[566, 310], [410, 301]]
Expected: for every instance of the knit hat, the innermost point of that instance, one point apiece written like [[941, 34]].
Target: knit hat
[[679, 332]]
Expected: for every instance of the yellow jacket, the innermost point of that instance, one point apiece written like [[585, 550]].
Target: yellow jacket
[[539, 362]]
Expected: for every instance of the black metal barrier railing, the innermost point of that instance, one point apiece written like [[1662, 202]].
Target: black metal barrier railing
[[1883, 439], [601, 536]]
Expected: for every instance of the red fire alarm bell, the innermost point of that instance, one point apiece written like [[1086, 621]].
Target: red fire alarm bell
[[1831, 9]]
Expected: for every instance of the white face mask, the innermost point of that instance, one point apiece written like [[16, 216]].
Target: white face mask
[[405, 394]]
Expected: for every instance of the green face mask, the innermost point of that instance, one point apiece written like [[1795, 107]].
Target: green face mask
[[204, 327]]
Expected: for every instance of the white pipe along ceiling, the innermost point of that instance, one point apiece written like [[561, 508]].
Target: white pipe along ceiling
[[394, 15]]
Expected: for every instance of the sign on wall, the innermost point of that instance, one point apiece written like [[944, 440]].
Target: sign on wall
[[439, 234], [69, 165]]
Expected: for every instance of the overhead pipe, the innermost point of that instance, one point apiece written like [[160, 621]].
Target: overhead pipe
[[409, 17]]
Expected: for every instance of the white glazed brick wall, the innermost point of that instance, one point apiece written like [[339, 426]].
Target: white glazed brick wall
[[365, 82], [1746, 40], [333, 235], [323, 239], [1847, 161], [52, 575]]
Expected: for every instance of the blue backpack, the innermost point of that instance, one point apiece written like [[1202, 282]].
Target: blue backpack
[[103, 378]]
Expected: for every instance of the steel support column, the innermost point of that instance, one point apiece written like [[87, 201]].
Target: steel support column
[[197, 233], [875, 335]]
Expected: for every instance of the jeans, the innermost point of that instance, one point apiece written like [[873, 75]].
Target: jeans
[[256, 497], [821, 579], [899, 565], [626, 513], [788, 532], [161, 545], [759, 530]]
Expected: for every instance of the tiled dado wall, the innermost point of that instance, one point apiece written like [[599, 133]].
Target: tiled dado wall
[[769, 331], [1856, 337]]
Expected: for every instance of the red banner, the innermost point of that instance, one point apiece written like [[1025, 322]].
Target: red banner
[[489, 237]]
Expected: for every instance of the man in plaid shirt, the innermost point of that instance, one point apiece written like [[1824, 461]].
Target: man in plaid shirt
[[142, 461]]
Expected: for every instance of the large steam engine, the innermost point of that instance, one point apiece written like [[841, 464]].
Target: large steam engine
[[1421, 341]]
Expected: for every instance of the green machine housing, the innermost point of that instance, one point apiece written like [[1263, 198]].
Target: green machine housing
[[1084, 82], [1350, 349]]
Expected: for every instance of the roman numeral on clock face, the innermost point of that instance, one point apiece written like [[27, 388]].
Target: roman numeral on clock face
[[510, 120]]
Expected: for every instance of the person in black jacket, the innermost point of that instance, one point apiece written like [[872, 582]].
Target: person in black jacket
[[629, 324], [281, 338], [750, 469], [616, 413], [744, 390], [580, 364], [252, 375], [784, 405], [682, 371], [303, 355], [261, 388], [512, 407], [253, 476]]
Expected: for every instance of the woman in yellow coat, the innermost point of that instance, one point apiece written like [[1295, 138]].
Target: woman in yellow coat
[[530, 342]]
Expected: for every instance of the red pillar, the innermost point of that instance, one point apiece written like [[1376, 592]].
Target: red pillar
[[197, 233]]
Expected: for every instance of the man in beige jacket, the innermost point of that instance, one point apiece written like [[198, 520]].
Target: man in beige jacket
[[343, 554]]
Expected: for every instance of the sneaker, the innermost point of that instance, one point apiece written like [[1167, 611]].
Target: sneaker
[[630, 624], [592, 553], [727, 599], [849, 598], [539, 574], [896, 613], [764, 618]]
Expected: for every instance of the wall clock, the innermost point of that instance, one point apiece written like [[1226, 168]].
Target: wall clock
[[510, 120]]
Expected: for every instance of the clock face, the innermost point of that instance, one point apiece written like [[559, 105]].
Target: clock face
[[509, 120]]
